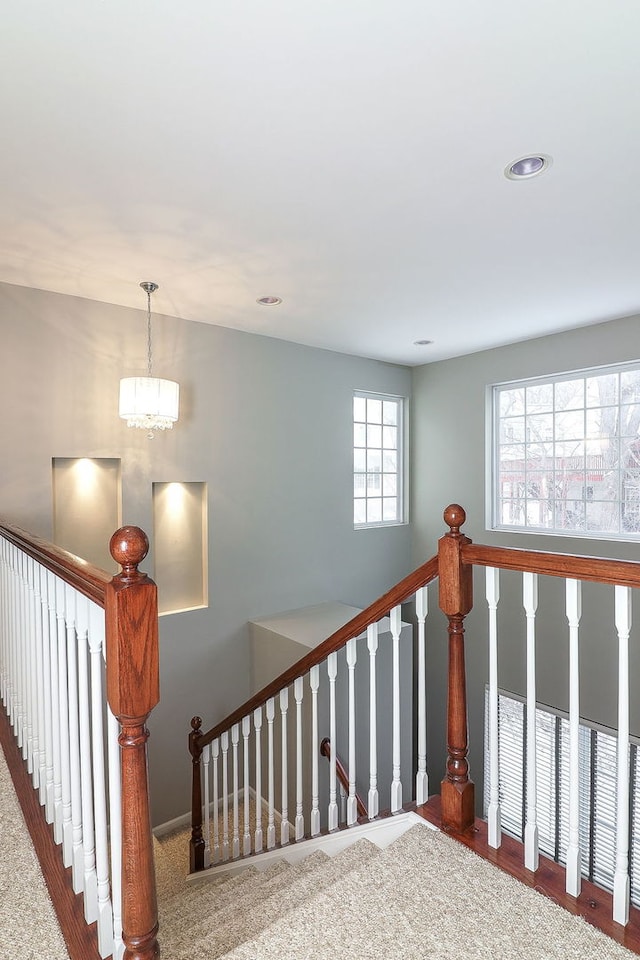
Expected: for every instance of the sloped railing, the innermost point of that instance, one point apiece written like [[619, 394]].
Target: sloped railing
[[62, 623]]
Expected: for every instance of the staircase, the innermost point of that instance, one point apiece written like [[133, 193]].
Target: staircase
[[423, 896]]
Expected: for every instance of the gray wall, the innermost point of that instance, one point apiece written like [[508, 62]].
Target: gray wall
[[448, 466], [267, 425]]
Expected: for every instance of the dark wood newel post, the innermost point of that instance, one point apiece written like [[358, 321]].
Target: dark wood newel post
[[133, 690], [196, 844], [456, 600]]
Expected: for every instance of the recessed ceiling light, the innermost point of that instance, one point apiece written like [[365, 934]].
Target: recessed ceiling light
[[269, 301], [527, 167], [422, 343]]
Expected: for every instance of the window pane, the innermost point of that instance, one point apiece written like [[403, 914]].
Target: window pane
[[511, 402], [374, 436], [359, 459], [390, 411], [359, 511], [540, 428], [389, 508], [389, 461], [512, 430], [390, 438], [539, 398], [569, 394], [359, 435], [630, 420], [359, 409], [374, 411], [359, 484], [389, 485], [374, 461], [630, 386], [602, 391], [374, 510]]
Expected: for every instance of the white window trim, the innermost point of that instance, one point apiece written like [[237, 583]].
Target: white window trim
[[403, 472], [492, 454]]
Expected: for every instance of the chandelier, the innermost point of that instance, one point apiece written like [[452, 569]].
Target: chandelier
[[149, 402]]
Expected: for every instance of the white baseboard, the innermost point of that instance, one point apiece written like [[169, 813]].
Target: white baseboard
[[381, 832], [184, 820]]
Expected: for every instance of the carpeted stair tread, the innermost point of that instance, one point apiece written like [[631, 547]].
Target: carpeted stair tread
[[417, 900], [237, 922]]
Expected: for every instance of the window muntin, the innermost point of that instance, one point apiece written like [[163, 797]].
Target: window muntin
[[377, 459], [566, 454]]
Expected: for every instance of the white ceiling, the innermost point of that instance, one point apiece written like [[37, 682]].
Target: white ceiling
[[346, 155]]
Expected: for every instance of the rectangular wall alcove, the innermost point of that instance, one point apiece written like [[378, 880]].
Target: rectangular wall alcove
[[87, 507], [180, 545]]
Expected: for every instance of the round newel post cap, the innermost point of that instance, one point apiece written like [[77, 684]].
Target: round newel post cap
[[128, 547], [454, 517], [196, 724]]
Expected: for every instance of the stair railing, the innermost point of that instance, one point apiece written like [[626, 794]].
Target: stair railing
[[62, 621], [457, 556], [321, 687]]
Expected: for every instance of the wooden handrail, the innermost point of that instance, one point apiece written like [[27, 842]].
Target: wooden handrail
[[89, 580], [598, 569], [378, 609], [342, 775]]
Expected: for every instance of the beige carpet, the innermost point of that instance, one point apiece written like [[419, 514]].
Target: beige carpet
[[28, 926], [425, 897]]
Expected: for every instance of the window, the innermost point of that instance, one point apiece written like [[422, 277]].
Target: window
[[598, 766], [566, 454], [377, 459]]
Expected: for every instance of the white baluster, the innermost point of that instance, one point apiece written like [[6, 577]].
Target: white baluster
[[54, 799], [235, 739], [373, 799], [36, 672], [96, 659], [115, 830], [74, 741], [352, 803], [23, 660], [422, 781], [90, 882], [574, 855], [530, 602], [270, 712], [396, 784], [42, 680], [46, 782], [224, 746], [63, 705], [284, 823], [621, 874], [246, 840], [314, 682], [332, 672], [257, 723], [215, 754], [493, 813], [206, 763], [298, 689]]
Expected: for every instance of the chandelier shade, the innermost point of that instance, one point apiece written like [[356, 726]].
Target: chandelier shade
[[149, 403]]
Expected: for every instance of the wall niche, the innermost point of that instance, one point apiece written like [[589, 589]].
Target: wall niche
[[180, 545], [87, 507]]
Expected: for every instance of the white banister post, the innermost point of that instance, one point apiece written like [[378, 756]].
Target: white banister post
[[77, 863], [257, 724], [352, 803], [235, 739], [332, 672], [56, 791], [372, 798], [90, 883], [284, 803], [298, 690], [422, 782], [224, 748], [46, 782], [493, 813], [215, 757], [621, 883], [530, 602], [65, 755], [206, 826], [270, 712], [246, 839], [314, 682], [574, 855], [396, 784]]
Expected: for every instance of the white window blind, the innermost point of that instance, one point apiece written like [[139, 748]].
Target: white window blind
[[598, 751]]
